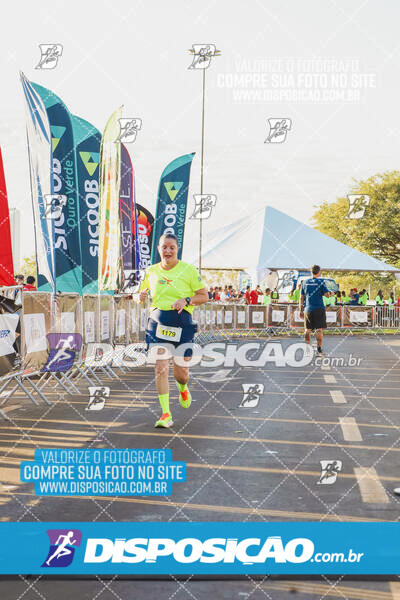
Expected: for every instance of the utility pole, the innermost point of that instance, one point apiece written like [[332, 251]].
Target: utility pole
[[202, 55]]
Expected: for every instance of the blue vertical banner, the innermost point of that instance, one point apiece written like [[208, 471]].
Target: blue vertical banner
[[41, 175], [87, 152], [68, 260], [172, 202]]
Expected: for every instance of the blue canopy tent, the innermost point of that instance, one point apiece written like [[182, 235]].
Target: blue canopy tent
[[269, 240]]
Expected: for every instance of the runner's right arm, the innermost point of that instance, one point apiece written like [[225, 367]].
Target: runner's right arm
[[144, 288], [301, 301]]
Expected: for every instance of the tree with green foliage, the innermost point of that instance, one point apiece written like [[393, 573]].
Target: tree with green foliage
[[28, 266], [377, 233]]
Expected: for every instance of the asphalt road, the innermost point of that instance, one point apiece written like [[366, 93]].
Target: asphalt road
[[245, 463]]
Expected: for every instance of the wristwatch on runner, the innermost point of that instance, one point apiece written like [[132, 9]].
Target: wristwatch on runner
[[187, 300]]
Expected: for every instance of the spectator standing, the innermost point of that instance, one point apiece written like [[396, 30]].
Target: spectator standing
[[379, 299], [30, 284], [345, 298], [275, 295], [363, 297], [267, 297], [254, 297]]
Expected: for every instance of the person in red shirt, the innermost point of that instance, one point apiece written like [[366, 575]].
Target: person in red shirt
[[30, 284], [217, 297], [247, 295], [253, 297]]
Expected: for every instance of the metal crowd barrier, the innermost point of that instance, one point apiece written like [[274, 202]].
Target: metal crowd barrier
[[120, 322], [284, 318]]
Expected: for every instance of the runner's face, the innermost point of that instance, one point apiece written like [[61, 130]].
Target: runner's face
[[168, 250]]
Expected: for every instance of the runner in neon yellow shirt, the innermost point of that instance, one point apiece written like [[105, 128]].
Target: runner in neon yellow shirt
[[175, 288], [168, 285], [266, 297]]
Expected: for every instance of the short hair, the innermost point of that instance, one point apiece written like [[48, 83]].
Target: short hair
[[315, 269], [30, 279], [168, 236], [19, 277]]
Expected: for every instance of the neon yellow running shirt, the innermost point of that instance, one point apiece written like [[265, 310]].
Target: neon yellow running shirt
[[167, 286]]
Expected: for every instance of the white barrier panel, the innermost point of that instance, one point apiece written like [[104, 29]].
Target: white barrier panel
[[106, 304], [133, 321], [257, 316], [278, 315], [11, 346], [207, 317], [37, 322], [67, 314], [358, 316], [331, 316], [90, 308], [229, 316], [121, 310]]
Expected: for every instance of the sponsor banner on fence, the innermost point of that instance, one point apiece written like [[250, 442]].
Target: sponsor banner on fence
[[208, 548]]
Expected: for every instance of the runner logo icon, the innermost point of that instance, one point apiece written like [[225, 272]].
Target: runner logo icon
[[204, 203], [278, 129], [128, 129], [329, 471], [251, 394], [357, 205], [97, 397], [63, 347], [202, 55], [63, 543], [50, 53], [54, 205]]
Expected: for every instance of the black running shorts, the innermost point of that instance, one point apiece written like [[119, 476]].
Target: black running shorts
[[315, 319]]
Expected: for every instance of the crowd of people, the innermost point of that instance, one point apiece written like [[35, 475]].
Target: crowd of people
[[28, 285], [258, 296]]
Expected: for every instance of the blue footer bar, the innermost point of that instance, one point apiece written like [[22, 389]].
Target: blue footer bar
[[206, 548]]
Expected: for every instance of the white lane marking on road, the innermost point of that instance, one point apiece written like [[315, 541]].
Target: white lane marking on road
[[325, 367], [329, 379], [370, 486], [351, 432], [338, 397]]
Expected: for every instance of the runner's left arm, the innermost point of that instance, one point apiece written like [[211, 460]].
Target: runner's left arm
[[199, 293], [199, 288]]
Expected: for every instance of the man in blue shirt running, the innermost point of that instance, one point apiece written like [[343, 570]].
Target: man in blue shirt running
[[311, 301]]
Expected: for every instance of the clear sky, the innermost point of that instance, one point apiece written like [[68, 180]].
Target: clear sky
[[333, 65]]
